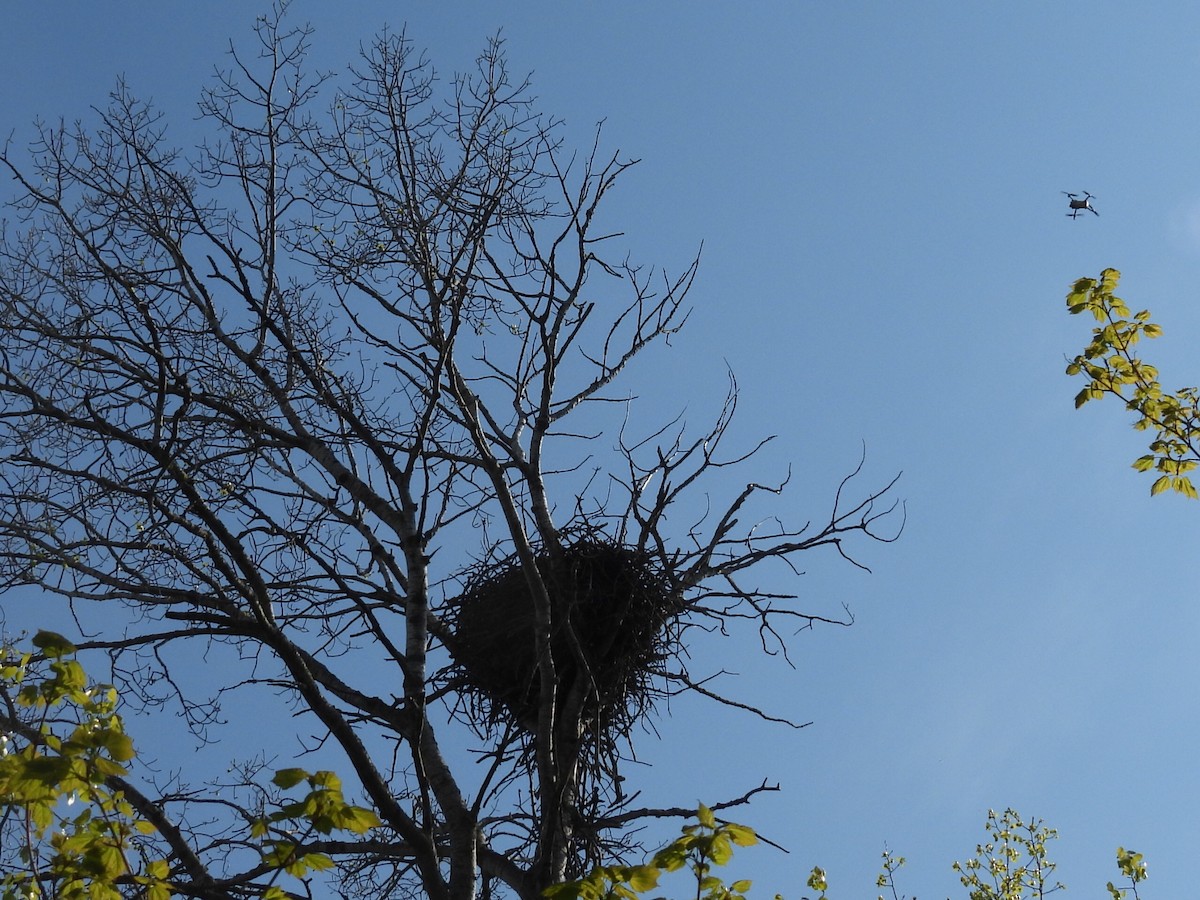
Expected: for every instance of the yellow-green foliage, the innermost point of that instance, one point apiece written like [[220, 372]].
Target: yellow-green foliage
[[1111, 366], [1012, 864], [1133, 867], [61, 786], [698, 849], [59, 780], [61, 777], [322, 810]]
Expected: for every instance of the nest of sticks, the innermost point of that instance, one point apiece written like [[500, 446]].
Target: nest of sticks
[[611, 607]]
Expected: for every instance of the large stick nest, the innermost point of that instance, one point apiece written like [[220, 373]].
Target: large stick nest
[[611, 606]]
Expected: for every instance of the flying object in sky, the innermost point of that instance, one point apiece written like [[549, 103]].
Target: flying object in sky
[[1079, 204]]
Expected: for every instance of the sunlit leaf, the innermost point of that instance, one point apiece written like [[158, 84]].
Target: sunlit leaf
[[359, 820], [52, 644], [318, 862], [1144, 463], [289, 778], [721, 850], [741, 835], [118, 745], [643, 878]]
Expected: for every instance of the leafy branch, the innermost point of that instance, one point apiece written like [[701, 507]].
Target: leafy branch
[[698, 849], [1012, 864], [1112, 367], [60, 770], [82, 830]]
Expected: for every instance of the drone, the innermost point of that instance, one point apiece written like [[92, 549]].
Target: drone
[[1079, 204]]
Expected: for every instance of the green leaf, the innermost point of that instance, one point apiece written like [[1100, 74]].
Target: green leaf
[[317, 862], [1162, 484], [643, 878], [289, 778], [705, 817], [741, 835], [672, 857], [281, 854], [1144, 463], [53, 644], [721, 850], [158, 868], [110, 860], [326, 779], [71, 676], [108, 768], [118, 745], [359, 820]]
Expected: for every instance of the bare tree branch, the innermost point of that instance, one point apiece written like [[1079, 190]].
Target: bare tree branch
[[323, 396]]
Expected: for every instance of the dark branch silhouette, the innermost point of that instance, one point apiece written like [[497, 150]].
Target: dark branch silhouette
[[334, 395]]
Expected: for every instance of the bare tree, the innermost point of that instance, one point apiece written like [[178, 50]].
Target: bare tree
[[336, 391]]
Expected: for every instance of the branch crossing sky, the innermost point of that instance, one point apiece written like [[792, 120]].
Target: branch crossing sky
[[886, 253]]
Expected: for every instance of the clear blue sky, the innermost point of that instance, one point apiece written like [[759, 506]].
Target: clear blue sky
[[886, 255]]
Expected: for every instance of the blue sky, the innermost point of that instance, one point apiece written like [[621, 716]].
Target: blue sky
[[885, 258]]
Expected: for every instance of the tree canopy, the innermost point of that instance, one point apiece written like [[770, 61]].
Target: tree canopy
[[334, 400]]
